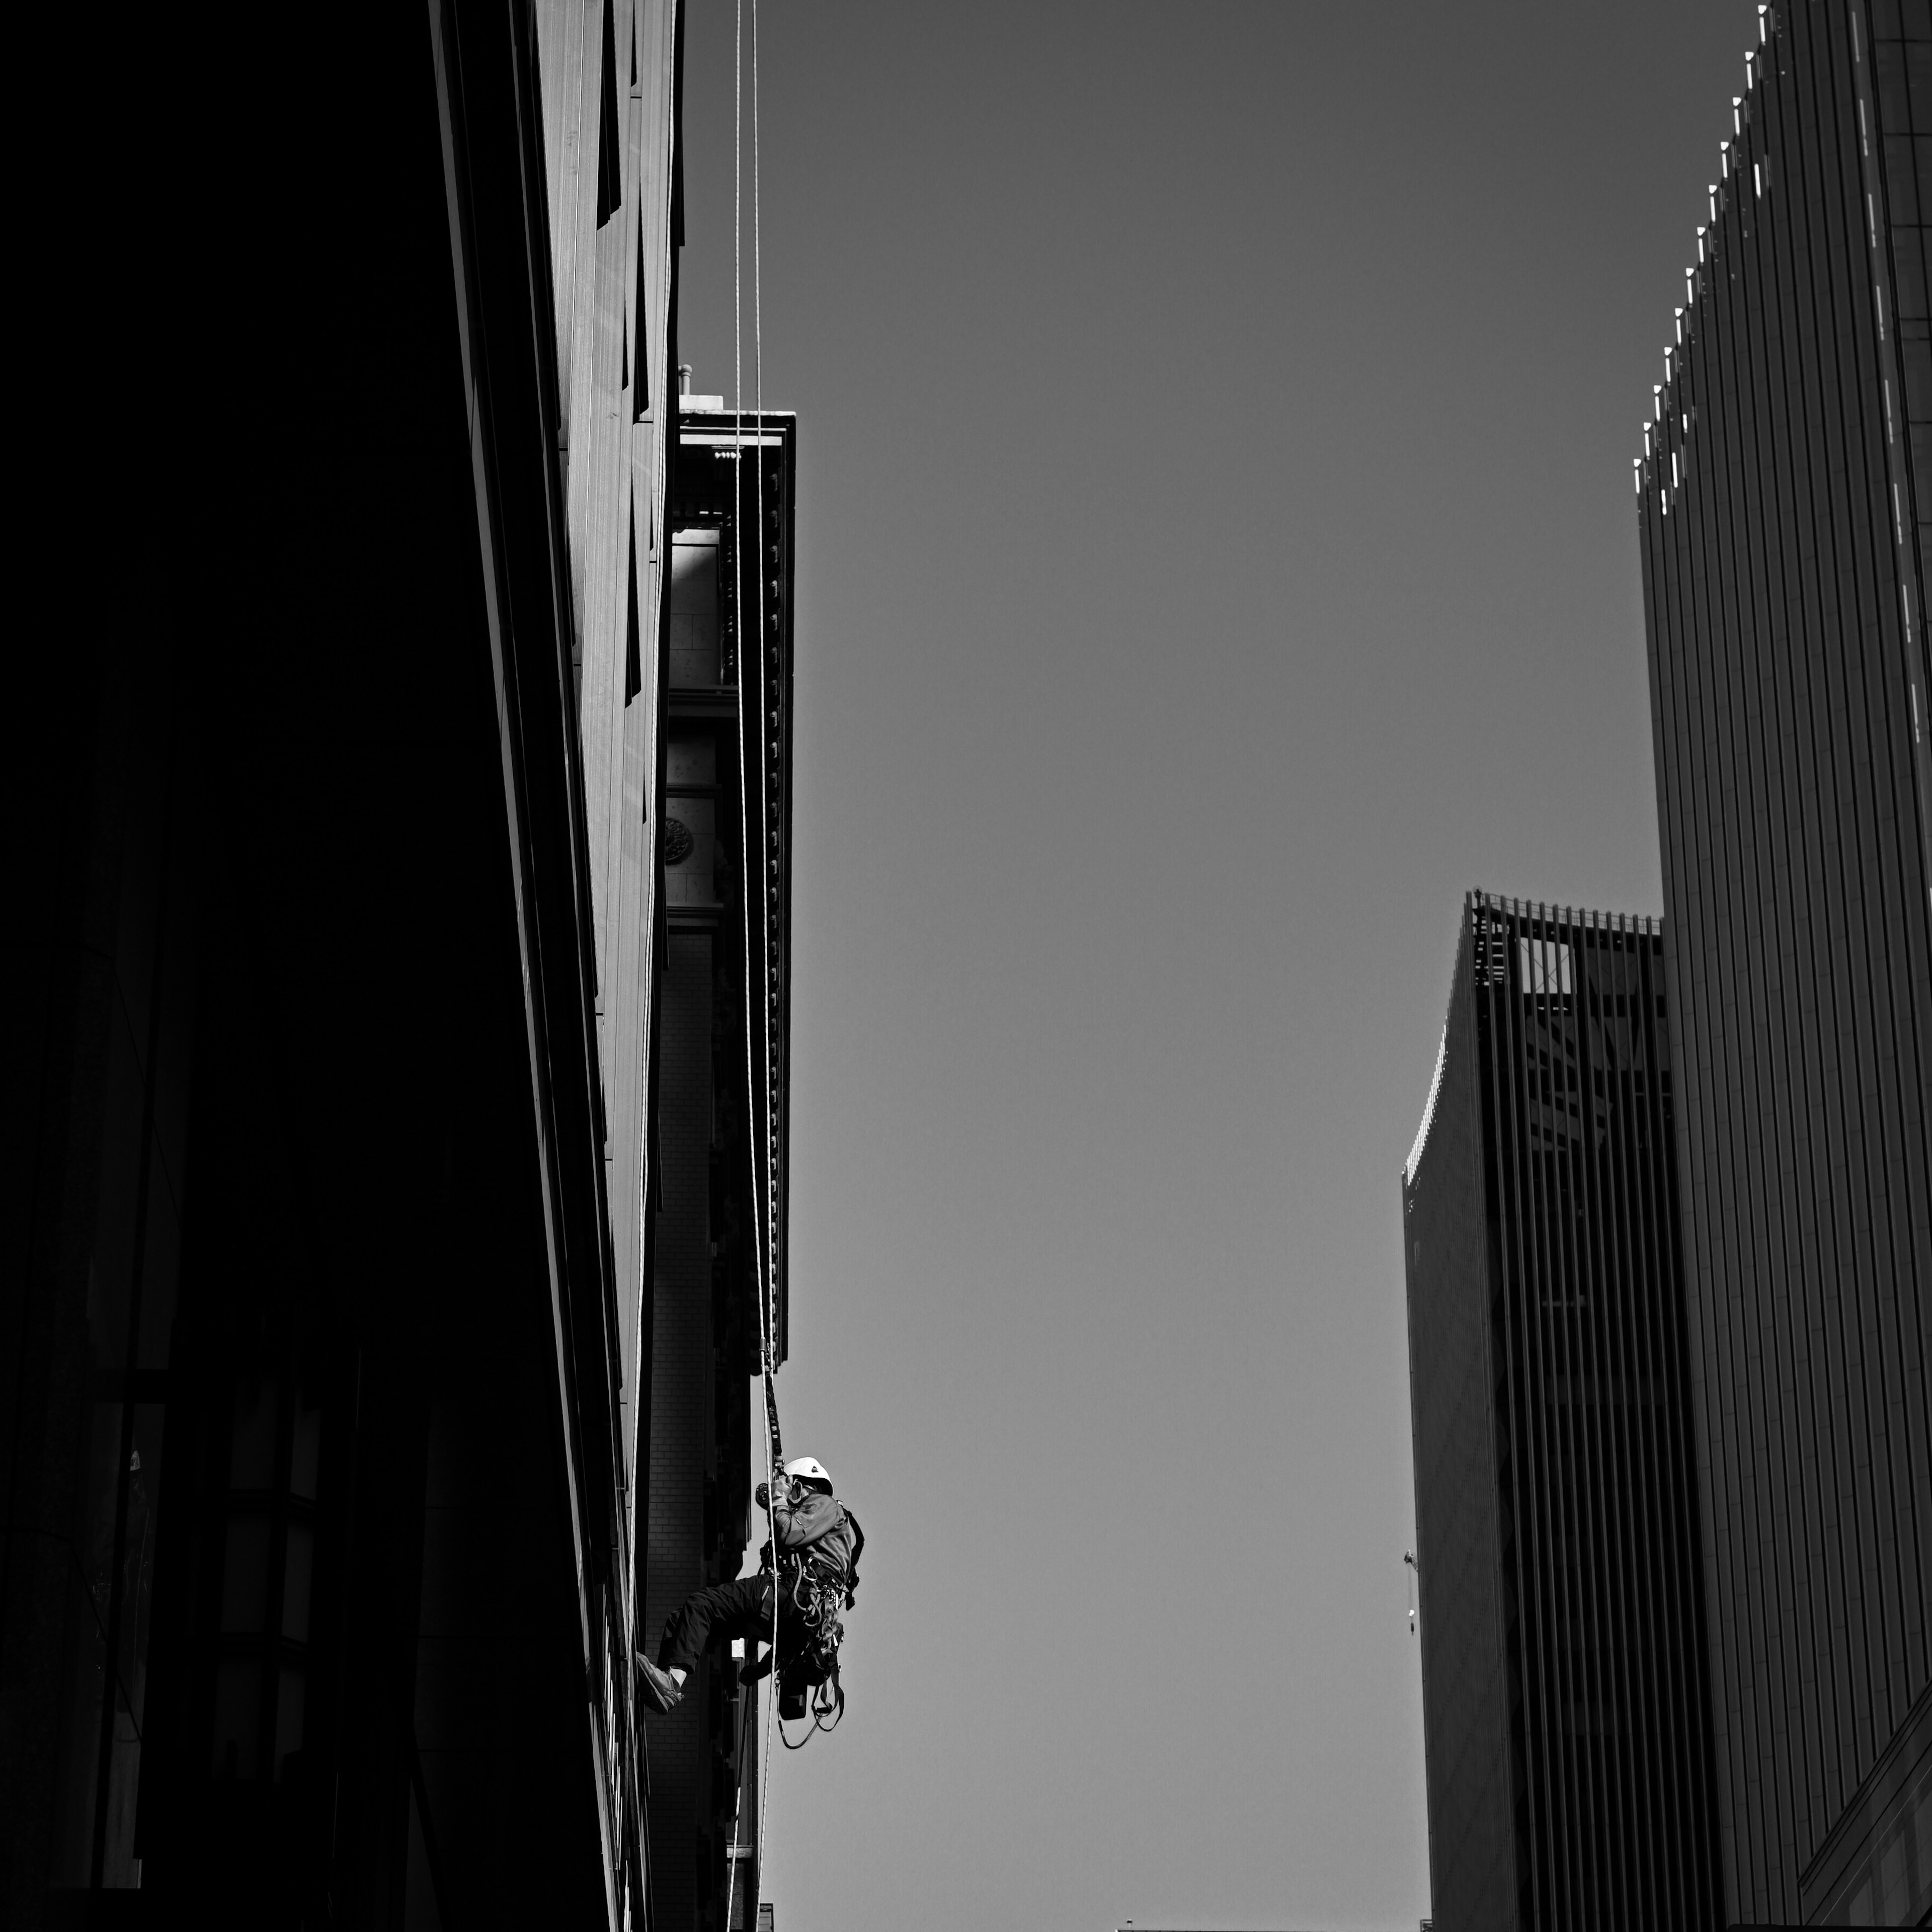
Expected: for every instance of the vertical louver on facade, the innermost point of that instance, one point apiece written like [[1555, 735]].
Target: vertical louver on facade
[[1781, 496], [1564, 1697]]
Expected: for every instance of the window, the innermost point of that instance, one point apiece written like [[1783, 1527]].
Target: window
[[696, 657], [268, 1582]]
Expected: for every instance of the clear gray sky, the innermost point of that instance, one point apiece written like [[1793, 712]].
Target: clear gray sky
[[1217, 553]]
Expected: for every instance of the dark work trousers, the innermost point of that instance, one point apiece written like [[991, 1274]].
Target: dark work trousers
[[742, 1609]]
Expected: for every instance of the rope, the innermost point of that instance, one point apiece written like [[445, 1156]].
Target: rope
[[770, 1283], [767, 1259], [768, 1277], [762, 1196]]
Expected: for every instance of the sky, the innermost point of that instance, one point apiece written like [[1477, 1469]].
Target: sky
[[1217, 555]]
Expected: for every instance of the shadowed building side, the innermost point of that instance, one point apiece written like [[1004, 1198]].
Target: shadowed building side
[[1459, 1555], [1784, 504], [1563, 1697], [315, 1601]]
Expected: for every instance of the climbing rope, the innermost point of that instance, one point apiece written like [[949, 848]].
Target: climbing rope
[[763, 1193]]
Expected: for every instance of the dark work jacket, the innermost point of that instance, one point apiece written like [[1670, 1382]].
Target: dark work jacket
[[818, 1527]]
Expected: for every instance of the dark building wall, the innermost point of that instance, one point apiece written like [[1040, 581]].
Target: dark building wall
[[1780, 501], [99, 1008], [333, 1651], [1564, 1694], [1466, 1700], [316, 840]]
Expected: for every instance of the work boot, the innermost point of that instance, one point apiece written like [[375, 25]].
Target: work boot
[[660, 1689]]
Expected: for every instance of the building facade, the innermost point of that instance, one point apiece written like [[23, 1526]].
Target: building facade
[[1784, 498], [1564, 1695], [395, 1097]]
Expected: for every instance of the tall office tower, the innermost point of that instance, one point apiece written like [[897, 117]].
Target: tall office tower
[[1564, 1698], [718, 1272], [1784, 496]]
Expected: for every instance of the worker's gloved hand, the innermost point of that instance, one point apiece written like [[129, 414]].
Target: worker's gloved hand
[[762, 1495]]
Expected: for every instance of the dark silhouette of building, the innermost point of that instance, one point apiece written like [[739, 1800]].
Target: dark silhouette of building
[[1563, 1700], [385, 1238], [1784, 495]]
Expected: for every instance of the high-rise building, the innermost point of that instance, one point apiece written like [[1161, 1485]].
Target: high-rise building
[[1564, 1704], [394, 1110], [1784, 506]]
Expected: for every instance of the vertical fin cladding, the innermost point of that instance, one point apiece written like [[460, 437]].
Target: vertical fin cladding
[[1561, 1652], [1786, 668]]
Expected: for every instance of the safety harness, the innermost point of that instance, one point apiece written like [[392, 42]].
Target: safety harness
[[816, 1589]]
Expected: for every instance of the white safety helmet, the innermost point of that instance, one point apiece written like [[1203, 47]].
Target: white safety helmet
[[809, 1469]]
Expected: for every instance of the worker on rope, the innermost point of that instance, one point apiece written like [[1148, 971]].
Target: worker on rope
[[814, 1571]]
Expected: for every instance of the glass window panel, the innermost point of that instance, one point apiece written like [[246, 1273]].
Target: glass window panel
[[252, 1461], [137, 1559], [117, 1213], [305, 1464], [289, 1705], [297, 1571], [120, 1868], [1918, 82], [1916, 353], [693, 573], [1901, 178], [91, 1584], [1893, 1893], [1921, 1833], [1909, 255], [237, 1687], [245, 1577], [1894, 110], [694, 608], [159, 1282]]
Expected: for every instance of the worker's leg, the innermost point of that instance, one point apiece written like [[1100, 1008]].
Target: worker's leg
[[742, 1609]]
